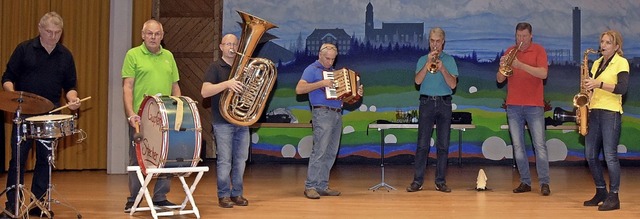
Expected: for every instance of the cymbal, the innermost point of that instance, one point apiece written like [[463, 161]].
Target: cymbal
[[31, 103]]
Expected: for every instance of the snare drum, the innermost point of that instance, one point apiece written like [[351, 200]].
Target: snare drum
[[49, 126], [171, 133]]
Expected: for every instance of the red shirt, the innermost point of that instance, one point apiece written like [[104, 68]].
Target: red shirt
[[524, 89]]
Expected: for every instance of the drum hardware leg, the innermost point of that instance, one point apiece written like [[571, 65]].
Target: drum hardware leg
[[20, 191], [45, 205], [17, 120]]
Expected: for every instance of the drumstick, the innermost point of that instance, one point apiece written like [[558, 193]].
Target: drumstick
[[137, 137], [65, 106]]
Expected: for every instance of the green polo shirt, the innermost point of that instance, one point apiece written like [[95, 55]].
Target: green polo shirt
[[154, 74]]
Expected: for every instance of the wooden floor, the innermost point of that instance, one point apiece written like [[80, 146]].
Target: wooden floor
[[276, 191]]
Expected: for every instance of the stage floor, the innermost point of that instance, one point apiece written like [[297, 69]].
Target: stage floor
[[276, 191]]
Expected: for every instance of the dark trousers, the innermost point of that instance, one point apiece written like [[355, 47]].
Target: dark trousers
[[433, 110]]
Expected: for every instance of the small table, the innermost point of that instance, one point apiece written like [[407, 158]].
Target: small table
[[381, 127]]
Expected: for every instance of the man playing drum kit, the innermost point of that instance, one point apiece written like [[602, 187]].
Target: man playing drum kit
[[147, 70], [37, 72]]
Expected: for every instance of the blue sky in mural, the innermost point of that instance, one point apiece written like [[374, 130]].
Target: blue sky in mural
[[484, 26]]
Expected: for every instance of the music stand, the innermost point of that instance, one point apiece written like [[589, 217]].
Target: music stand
[[382, 184]]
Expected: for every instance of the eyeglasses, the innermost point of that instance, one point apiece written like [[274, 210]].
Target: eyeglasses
[[156, 34]]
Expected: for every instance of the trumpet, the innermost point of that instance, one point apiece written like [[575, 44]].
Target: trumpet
[[433, 64], [505, 69]]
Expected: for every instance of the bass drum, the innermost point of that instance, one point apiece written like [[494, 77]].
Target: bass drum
[[171, 133]]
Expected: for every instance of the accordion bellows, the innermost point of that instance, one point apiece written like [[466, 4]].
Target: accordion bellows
[[345, 85]]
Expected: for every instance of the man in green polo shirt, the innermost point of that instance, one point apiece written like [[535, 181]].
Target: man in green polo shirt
[[147, 70]]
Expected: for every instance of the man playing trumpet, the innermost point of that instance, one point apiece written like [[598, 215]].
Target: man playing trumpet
[[525, 105], [436, 73]]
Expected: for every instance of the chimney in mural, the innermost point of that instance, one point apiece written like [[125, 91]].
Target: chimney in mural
[[576, 35]]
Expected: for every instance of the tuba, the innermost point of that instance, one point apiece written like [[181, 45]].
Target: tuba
[[505, 68], [581, 100], [258, 76]]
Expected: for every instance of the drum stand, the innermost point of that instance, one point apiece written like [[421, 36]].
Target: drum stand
[[20, 190], [180, 172], [45, 207]]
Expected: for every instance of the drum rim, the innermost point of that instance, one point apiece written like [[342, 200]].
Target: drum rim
[[44, 118]]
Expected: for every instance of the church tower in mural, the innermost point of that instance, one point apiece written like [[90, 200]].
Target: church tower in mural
[[404, 34]]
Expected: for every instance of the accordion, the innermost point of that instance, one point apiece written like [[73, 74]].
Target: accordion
[[345, 85]]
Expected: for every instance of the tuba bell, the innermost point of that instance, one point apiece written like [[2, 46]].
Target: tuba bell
[[505, 68], [258, 75], [562, 116]]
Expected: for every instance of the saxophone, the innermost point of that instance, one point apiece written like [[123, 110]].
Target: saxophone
[[581, 100], [257, 74], [505, 68]]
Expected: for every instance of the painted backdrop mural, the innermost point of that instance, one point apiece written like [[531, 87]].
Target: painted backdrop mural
[[383, 39]]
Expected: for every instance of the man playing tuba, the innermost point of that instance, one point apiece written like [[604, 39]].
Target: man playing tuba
[[232, 141]]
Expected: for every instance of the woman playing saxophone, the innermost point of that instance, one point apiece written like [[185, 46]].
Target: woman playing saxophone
[[609, 77]]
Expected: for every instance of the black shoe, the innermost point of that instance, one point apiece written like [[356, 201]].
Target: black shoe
[[600, 196], [127, 207], [414, 187], [162, 203], [545, 190], [611, 203], [225, 202], [240, 201], [522, 188], [442, 187]]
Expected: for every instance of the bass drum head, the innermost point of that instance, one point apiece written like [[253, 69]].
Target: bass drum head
[[151, 150], [171, 133]]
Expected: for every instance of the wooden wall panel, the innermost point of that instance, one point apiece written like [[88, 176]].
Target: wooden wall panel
[[190, 34]]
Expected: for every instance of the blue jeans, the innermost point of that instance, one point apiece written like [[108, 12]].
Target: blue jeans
[[163, 182], [232, 146], [533, 116], [604, 135], [40, 179], [433, 109], [327, 129]]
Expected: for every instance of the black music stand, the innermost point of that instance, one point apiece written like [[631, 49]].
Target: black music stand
[[382, 184]]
